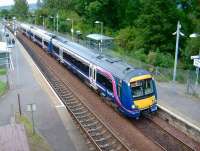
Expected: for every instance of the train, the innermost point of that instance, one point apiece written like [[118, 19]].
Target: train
[[132, 90]]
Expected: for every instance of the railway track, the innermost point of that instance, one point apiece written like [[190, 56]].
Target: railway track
[[98, 134], [162, 137]]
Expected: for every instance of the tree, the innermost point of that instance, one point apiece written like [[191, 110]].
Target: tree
[[4, 13], [20, 9]]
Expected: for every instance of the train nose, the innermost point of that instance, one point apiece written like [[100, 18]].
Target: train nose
[[144, 103]]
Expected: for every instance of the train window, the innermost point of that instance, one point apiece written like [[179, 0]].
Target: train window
[[46, 43], [80, 65], [56, 49], [104, 81], [38, 38]]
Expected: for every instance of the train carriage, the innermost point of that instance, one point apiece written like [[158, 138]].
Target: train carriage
[[133, 90]]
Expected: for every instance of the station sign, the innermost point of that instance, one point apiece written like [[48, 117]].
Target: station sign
[[196, 63], [195, 57]]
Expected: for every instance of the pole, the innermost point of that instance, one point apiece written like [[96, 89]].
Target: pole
[[57, 23], [101, 37], [32, 119], [176, 54], [19, 104], [43, 21], [72, 30], [54, 24]]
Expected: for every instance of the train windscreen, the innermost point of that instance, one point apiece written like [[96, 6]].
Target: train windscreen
[[141, 88]]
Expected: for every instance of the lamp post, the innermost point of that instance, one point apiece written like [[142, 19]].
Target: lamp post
[[53, 22], [34, 19], [177, 33], [42, 21], [57, 22], [78, 32], [195, 35], [72, 28], [101, 23]]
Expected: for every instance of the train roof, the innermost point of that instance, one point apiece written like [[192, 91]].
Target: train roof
[[116, 66]]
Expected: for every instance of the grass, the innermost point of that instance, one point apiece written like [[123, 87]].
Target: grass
[[3, 88], [36, 141], [2, 71]]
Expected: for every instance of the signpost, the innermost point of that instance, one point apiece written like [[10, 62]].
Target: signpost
[[32, 108], [196, 63]]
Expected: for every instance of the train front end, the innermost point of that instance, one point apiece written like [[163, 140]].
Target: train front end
[[144, 94], [140, 95]]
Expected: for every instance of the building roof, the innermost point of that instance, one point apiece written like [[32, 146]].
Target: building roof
[[3, 47], [98, 37]]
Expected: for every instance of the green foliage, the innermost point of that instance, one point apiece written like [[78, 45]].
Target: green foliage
[[3, 88], [160, 59], [141, 28], [20, 9], [4, 13], [2, 71], [36, 142]]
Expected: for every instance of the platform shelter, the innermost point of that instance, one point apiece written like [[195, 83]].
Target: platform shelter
[[5, 55], [94, 41]]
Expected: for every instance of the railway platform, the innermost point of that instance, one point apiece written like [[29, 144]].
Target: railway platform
[[173, 98], [52, 120]]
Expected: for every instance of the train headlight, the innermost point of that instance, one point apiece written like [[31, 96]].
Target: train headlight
[[133, 106]]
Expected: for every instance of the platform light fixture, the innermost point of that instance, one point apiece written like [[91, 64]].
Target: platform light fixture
[[72, 27], [42, 21], [196, 35], [53, 22], [178, 33], [101, 23]]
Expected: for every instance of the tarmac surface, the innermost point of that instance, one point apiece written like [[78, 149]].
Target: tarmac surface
[[174, 98], [52, 120]]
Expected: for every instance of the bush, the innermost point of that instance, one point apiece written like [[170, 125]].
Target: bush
[[140, 55], [160, 59]]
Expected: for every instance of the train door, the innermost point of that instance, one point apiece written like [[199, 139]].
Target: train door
[[43, 44], [92, 73], [61, 55]]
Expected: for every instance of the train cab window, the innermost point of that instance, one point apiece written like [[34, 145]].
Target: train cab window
[[142, 87], [56, 49], [101, 79]]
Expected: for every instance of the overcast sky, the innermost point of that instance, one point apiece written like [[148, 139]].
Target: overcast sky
[[11, 2]]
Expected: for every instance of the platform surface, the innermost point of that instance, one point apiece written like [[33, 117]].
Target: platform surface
[[13, 138], [173, 97]]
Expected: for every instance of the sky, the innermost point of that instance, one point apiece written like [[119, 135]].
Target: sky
[[11, 2]]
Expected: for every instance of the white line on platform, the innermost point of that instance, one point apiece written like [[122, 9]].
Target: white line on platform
[[60, 106], [179, 118]]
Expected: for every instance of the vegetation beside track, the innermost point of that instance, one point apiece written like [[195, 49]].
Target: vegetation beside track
[[3, 88], [36, 141], [2, 71]]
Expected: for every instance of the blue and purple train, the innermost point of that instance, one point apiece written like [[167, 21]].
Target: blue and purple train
[[132, 90]]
